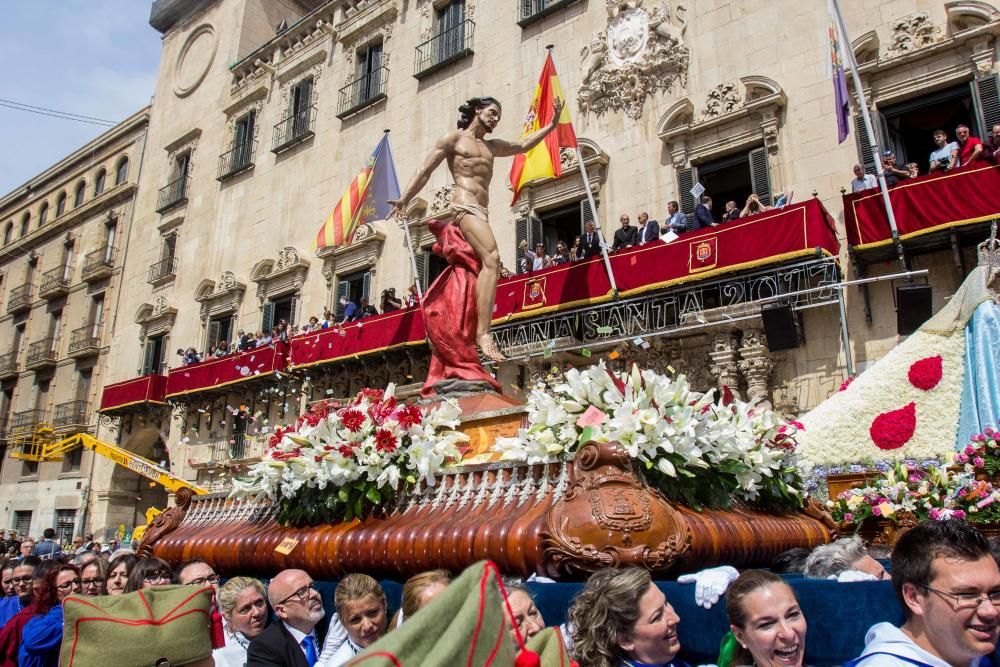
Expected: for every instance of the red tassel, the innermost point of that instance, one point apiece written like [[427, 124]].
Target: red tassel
[[215, 630], [527, 658]]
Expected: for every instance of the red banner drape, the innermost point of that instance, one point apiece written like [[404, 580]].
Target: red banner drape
[[922, 205], [229, 370], [372, 334], [145, 389]]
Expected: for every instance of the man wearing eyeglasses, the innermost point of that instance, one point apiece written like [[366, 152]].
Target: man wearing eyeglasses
[[948, 585], [293, 642], [196, 573]]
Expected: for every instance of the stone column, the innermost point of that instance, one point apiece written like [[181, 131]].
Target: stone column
[[724, 362], [755, 364]]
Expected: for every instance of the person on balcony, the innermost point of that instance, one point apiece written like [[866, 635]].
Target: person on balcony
[[282, 331], [893, 174], [245, 341], [591, 241], [703, 214], [350, 312], [365, 309], [413, 298], [561, 255], [649, 230], [754, 206], [626, 236], [677, 222], [390, 301], [862, 181], [970, 148], [536, 260], [732, 212], [945, 156], [222, 349], [991, 147]]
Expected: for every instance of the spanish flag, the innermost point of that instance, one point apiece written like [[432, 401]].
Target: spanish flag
[[542, 161], [365, 200]]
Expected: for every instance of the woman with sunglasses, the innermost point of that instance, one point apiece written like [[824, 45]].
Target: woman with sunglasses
[[149, 572], [42, 636]]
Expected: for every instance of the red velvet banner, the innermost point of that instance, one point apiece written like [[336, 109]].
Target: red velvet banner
[[145, 389], [227, 370], [922, 205], [372, 334]]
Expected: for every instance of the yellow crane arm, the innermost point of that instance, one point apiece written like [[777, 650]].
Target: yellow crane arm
[[123, 457]]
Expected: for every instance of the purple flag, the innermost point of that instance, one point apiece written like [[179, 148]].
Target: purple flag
[[843, 104]]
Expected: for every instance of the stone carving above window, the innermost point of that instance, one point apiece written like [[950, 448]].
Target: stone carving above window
[[286, 274], [641, 52], [220, 297], [913, 32], [724, 98], [155, 318]]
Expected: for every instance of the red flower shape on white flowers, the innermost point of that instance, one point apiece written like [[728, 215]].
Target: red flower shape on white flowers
[[893, 429], [352, 420], [408, 416], [926, 373], [385, 441]]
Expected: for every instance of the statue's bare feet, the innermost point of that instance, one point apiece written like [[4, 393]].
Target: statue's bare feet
[[489, 348]]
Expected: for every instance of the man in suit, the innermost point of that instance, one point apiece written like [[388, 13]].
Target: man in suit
[[626, 236], [591, 242], [292, 642], [703, 214], [649, 230]]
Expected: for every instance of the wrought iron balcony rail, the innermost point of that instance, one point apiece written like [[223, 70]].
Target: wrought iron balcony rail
[[98, 263], [173, 194], [444, 48], [27, 419], [85, 338], [237, 159], [530, 11], [293, 130], [362, 92], [71, 413], [165, 268], [20, 297], [8, 364], [41, 352], [54, 281]]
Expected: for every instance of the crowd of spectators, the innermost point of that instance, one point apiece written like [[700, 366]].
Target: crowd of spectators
[[948, 154]]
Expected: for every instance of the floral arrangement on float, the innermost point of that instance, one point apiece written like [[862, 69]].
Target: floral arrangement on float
[[906, 494], [340, 462], [695, 450]]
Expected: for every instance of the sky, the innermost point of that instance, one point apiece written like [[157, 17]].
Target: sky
[[94, 58]]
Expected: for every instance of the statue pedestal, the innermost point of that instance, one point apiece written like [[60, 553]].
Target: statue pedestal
[[487, 416]]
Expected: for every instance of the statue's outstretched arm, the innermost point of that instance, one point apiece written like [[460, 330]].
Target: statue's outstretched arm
[[503, 148], [419, 180]]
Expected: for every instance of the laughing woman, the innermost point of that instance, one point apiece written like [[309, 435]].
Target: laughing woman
[[621, 619], [768, 629]]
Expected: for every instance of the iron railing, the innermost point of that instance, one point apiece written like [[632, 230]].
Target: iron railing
[[54, 282], [8, 364], [362, 92], [444, 48], [296, 128], [173, 194], [85, 339], [98, 263], [71, 414], [236, 448], [27, 419], [237, 159], [41, 353], [20, 297], [165, 268], [534, 10]]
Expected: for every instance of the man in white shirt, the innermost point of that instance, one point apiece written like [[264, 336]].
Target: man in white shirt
[[862, 181], [945, 156], [948, 585]]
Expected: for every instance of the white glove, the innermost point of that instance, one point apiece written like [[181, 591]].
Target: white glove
[[710, 584], [850, 576]]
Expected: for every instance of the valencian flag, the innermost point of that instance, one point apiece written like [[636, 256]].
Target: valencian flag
[[838, 76], [542, 161], [364, 200]]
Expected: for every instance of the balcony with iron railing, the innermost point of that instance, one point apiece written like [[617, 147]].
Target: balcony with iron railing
[[26, 420], [20, 298], [530, 11], [41, 353], [173, 194], [294, 130], [362, 92], [162, 271], [444, 48], [85, 341], [98, 264], [4, 428], [237, 160], [8, 365], [74, 414], [234, 450], [54, 283]]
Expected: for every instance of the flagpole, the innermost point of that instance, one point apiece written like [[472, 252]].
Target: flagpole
[[413, 255], [593, 205], [863, 103]]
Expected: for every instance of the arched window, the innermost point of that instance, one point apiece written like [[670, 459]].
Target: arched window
[[78, 195], [25, 224], [121, 171], [8, 232], [99, 182], [43, 214], [60, 204]]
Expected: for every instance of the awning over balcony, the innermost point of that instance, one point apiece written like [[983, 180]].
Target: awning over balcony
[[924, 205], [213, 374], [130, 394]]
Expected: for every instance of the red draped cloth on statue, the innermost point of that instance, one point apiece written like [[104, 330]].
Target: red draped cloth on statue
[[450, 314]]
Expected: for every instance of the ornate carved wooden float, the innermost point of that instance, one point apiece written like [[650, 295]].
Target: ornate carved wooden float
[[562, 520]]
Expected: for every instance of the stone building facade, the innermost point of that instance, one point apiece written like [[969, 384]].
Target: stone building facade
[[65, 232]]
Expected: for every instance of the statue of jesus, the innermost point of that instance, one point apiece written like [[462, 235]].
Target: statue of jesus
[[470, 158]]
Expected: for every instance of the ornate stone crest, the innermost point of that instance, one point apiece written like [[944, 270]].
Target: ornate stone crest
[[724, 98], [913, 32], [641, 52]]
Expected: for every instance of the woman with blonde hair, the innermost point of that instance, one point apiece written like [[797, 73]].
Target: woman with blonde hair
[[418, 591], [621, 619], [244, 609], [361, 610]]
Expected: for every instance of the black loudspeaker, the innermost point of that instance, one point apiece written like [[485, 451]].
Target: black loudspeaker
[[779, 327], [913, 307]]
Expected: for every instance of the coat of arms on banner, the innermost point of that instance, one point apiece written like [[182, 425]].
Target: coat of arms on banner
[[534, 293], [703, 254]]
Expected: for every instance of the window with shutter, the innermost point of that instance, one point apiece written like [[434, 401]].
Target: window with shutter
[[537, 233], [422, 259], [865, 155], [760, 175], [685, 181], [986, 95], [366, 286], [267, 317], [293, 307], [586, 215], [343, 292], [214, 328]]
